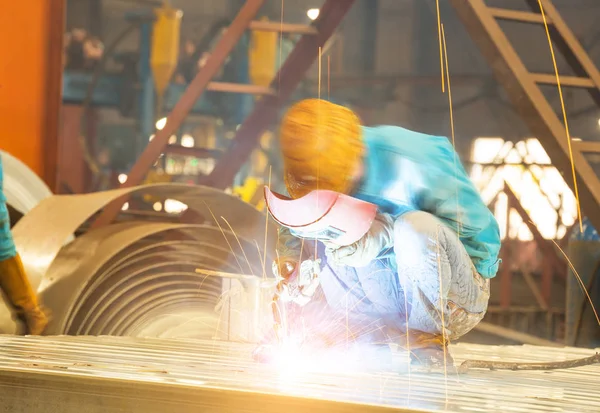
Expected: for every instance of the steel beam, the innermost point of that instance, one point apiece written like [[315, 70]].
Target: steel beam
[[270, 26], [545, 246], [527, 97], [570, 47], [184, 105], [266, 110], [200, 153]]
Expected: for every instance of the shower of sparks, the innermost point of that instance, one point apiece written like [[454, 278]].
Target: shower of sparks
[[564, 112], [319, 128], [224, 236], [240, 244]]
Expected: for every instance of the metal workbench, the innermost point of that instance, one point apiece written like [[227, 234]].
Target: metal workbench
[[110, 374]]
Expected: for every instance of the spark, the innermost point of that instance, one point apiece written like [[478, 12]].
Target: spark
[[442, 308], [224, 236], [237, 261], [264, 261], [458, 224], [581, 283], [564, 112], [240, 245], [439, 24], [407, 339]]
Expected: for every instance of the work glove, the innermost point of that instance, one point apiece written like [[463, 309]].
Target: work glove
[[15, 284], [380, 237], [297, 284]]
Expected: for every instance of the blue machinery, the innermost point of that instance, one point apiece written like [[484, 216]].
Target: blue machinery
[[120, 90]]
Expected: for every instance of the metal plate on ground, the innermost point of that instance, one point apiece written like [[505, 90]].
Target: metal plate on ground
[[110, 374]]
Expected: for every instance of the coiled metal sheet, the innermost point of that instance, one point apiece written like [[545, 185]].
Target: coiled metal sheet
[[23, 189], [110, 374], [139, 278]]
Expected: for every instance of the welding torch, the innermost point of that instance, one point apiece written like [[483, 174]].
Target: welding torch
[[287, 275]]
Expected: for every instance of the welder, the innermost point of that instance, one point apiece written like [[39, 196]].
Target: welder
[[13, 280], [420, 276]]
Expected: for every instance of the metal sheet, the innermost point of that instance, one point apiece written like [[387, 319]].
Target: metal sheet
[[106, 374], [126, 280], [40, 234], [122, 278], [23, 189]]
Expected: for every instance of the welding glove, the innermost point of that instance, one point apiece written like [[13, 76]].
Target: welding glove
[[15, 285], [297, 283], [380, 237]]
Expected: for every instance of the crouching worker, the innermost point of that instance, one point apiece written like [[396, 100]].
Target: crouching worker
[[420, 276], [13, 280]]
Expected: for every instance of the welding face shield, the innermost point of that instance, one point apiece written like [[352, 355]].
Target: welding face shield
[[326, 216]]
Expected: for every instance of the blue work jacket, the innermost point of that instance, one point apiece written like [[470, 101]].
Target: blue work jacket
[[7, 244], [408, 171]]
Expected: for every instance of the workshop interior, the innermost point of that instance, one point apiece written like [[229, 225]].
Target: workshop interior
[[148, 174]]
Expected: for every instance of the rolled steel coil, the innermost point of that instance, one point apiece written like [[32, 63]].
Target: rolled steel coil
[[139, 278]]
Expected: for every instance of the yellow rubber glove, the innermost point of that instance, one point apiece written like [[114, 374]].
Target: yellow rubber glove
[[302, 286], [15, 284]]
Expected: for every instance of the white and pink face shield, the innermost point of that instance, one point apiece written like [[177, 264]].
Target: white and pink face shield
[[327, 216]]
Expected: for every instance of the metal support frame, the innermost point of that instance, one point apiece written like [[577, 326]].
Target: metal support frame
[[552, 262], [523, 88], [546, 246], [266, 110], [184, 105]]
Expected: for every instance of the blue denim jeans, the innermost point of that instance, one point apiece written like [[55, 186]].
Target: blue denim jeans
[[428, 285]]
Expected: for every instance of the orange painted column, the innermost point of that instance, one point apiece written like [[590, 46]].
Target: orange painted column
[[31, 34]]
